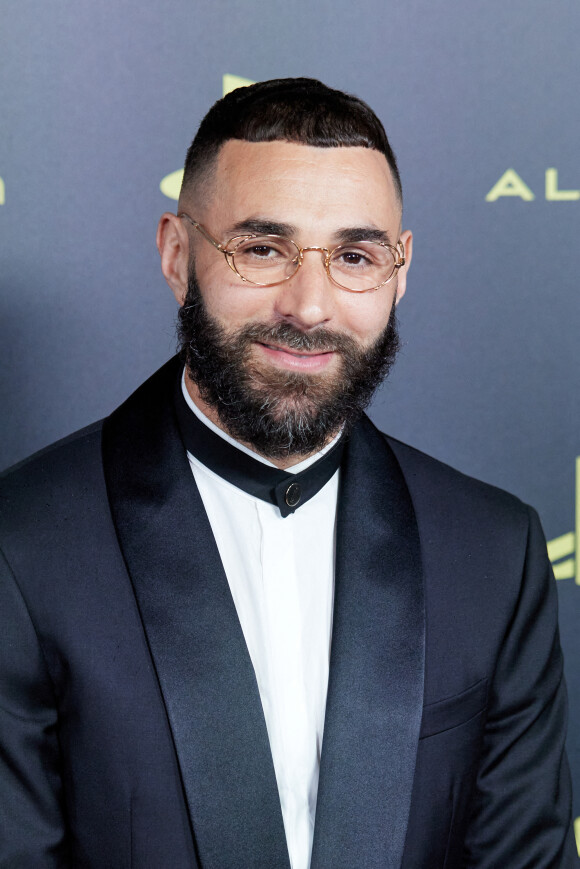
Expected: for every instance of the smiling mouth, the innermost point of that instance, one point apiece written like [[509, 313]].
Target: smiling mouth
[[291, 359], [304, 355]]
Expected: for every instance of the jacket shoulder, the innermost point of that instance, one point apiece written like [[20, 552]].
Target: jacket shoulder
[[55, 479], [68, 478], [435, 485]]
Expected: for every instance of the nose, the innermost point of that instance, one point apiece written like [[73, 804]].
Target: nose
[[307, 299]]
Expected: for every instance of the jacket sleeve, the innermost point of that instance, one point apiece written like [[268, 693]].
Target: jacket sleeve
[[522, 806], [32, 829]]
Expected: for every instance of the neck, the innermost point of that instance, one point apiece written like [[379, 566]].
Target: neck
[[280, 462]]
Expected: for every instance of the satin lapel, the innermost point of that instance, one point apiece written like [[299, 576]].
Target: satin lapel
[[375, 691], [196, 642]]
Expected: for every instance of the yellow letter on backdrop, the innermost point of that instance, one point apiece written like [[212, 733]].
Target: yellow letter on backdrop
[[510, 184], [552, 191]]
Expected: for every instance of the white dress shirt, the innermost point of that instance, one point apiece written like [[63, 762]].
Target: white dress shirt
[[281, 576]]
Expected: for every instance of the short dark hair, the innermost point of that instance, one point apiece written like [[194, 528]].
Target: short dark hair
[[301, 110]]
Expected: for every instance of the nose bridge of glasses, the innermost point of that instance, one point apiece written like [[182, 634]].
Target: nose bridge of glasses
[[323, 250]]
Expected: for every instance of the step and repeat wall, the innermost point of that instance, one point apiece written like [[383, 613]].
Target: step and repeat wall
[[98, 102]]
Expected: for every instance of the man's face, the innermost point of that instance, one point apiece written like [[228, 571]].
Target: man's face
[[303, 347]]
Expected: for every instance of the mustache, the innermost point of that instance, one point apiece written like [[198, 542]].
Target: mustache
[[289, 336]]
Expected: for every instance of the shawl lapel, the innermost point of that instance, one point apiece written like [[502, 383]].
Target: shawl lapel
[[375, 690], [196, 642]]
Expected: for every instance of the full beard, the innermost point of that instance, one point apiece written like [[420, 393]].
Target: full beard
[[280, 414]]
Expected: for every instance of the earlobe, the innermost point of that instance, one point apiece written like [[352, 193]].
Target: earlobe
[[173, 247]]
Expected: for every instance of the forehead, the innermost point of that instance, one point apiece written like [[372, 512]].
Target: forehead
[[314, 189]]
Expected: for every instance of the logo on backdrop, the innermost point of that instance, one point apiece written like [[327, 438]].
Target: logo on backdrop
[[563, 550], [171, 184], [512, 184]]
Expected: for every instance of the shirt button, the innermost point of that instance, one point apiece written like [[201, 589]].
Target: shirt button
[[293, 495]]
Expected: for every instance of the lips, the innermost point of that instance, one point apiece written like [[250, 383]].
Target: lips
[[294, 352], [294, 360]]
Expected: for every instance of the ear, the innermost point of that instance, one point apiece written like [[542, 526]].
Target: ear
[[173, 247], [406, 239]]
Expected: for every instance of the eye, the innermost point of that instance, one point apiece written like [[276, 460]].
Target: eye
[[354, 258], [261, 249]]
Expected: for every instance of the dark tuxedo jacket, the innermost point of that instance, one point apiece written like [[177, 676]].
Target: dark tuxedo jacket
[[131, 728]]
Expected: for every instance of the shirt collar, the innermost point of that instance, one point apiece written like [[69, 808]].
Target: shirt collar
[[288, 489]]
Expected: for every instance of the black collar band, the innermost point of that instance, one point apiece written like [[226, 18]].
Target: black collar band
[[286, 491]]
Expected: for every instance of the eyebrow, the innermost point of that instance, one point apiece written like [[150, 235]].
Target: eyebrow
[[345, 235], [263, 226], [362, 233]]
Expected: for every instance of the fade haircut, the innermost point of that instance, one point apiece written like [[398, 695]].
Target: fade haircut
[[301, 110]]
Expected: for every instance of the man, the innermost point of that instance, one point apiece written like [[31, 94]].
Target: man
[[243, 628]]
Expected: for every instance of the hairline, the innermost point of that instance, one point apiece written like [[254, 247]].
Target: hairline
[[203, 175]]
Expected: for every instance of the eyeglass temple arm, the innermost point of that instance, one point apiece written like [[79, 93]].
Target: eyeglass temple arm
[[203, 231], [401, 252]]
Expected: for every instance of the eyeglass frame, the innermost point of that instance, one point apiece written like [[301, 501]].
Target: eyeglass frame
[[398, 252]]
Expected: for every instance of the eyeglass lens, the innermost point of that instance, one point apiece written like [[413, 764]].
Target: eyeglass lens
[[269, 259]]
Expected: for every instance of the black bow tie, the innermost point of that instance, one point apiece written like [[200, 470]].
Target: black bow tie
[[286, 491]]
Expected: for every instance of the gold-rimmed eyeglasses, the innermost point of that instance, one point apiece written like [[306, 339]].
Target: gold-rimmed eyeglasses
[[268, 260]]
